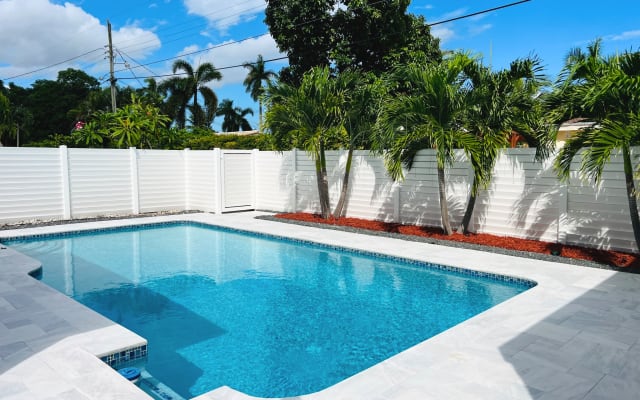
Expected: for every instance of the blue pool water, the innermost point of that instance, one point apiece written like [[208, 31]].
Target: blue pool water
[[268, 317]]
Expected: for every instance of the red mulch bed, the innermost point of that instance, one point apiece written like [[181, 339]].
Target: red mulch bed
[[619, 260]]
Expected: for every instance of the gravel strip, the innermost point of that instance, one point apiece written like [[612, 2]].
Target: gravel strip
[[38, 223], [472, 246]]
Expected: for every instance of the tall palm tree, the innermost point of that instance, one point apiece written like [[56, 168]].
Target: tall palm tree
[[310, 117], [500, 102], [184, 89], [254, 81], [607, 91], [234, 117], [428, 113], [363, 95]]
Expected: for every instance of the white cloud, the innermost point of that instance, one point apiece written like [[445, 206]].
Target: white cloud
[[235, 53], [223, 14], [443, 33], [628, 35], [452, 14], [39, 33], [478, 29]]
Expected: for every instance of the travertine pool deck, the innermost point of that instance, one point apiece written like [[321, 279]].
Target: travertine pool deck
[[573, 336]]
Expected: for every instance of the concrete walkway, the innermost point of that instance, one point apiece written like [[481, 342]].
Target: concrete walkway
[[573, 336]]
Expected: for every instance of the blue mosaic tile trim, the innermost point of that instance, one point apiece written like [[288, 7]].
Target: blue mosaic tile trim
[[527, 283], [116, 359], [87, 232]]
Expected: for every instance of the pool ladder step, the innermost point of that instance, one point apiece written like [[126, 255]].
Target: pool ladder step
[[155, 388]]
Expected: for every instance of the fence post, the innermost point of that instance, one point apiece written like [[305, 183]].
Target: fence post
[[254, 166], [563, 205], [294, 185], [66, 187], [217, 159], [135, 192], [187, 181]]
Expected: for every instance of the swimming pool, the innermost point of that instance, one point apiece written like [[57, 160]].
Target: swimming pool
[[267, 317]]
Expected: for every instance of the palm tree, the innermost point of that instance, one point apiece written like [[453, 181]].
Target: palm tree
[[427, 113], [363, 96], [499, 102], [309, 116], [256, 76], [605, 90], [183, 89], [234, 117]]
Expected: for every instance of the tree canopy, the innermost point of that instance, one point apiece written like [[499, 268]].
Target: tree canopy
[[348, 34]]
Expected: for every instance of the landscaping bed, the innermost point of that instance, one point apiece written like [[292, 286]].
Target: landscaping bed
[[618, 260]]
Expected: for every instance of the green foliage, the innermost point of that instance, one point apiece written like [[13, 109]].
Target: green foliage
[[135, 125], [607, 91], [257, 76], [234, 117], [240, 142], [183, 90], [428, 113], [6, 126], [309, 116], [348, 34], [50, 101]]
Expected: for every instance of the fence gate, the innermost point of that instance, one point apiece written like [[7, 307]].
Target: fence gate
[[237, 181]]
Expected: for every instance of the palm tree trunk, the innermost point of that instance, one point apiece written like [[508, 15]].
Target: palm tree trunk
[[631, 195], [323, 183], [345, 186], [260, 116], [471, 204], [444, 209]]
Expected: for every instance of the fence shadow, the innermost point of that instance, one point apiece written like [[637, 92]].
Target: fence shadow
[[587, 349]]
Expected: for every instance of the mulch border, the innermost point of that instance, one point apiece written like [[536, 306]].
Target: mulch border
[[461, 245]]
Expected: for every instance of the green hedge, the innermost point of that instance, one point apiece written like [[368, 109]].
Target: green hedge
[[237, 142]]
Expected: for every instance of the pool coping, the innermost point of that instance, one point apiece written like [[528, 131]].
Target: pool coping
[[496, 354]]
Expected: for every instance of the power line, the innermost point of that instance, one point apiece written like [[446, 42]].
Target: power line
[[307, 22], [53, 65], [249, 38], [219, 69], [229, 43], [479, 12]]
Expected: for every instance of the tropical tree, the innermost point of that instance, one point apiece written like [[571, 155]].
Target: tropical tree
[[500, 102], [310, 117], [347, 34], [254, 81], [606, 90], [427, 113], [185, 89], [234, 117], [364, 94], [50, 101], [152, 93], [135, 124], [6, 125]]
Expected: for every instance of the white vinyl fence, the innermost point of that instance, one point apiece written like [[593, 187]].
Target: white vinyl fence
[[524, 200]]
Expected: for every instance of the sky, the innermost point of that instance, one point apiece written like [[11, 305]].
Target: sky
[[41, 37]]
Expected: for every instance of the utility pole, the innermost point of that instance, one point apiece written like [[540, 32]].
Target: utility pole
[[112, 78]]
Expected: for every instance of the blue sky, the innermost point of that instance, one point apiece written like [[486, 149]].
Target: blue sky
[[39, 33]]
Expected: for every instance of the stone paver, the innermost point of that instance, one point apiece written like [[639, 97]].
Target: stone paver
[[573, 336]]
